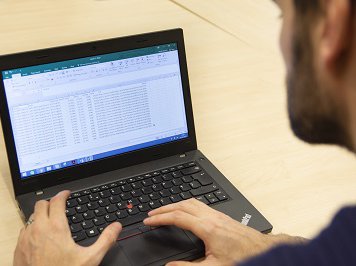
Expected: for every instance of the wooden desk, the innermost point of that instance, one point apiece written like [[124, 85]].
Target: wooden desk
[[238, 99]]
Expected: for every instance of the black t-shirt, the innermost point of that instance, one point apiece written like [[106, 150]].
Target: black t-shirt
[[335, 246]]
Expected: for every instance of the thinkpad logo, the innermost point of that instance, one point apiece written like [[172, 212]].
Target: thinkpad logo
[[246, 219]]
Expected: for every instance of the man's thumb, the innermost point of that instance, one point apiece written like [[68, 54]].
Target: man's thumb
[[107, 238]]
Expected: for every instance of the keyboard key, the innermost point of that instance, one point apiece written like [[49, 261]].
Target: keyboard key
[[167, 184], [83, 200], [104, 187], [72, 203], [136, 193], [76, 194], [185, 187], [210, 195], [155, 173], [134, 202], [187, 179], [99, 212], [165, 201], [190, 164], [177, 174], [136, 185], [147, 182], [143, 207], [220, 195], [155, 196], [167, 177], [113, 185], [185, 195], [103, 202], [133, 211], [92, 205], [110, 217], [203, 178], [165, 193], [191, 170], [115, 191], [144, 199], [96, 189], [175, 198], [75, 228], [76, 218], [115, 199], [154, 204], [195, 184], [177, 181], [131, 180], [88, 215], [94, 197], [111, 208], [147, 175], [157, 180], [81, 209], [92, 232], [70, 212], [79, 236], [213, 200], [87, 224], [121, 205], [157, 187], [98, 221], [175, 190], [125, 196], [121, 214], [126, 188], [147, 190], [203, 190], [164, 171]]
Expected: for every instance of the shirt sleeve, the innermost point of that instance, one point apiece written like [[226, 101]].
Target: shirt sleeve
[[336, 245]]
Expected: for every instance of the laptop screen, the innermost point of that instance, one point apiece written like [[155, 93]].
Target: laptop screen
[[77, 111]]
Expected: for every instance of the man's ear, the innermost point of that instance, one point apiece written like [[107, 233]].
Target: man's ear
[[336, 31]]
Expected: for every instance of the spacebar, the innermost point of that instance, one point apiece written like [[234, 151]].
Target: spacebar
[[133, 219]]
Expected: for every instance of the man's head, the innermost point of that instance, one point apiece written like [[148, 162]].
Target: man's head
[[318, 45]]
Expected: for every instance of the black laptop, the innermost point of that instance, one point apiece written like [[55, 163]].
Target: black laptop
[[112, 121]]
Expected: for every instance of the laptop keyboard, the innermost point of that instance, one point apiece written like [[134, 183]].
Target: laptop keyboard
[[129, 200]]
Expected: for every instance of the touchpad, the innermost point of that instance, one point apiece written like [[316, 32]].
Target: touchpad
[[156, 245]]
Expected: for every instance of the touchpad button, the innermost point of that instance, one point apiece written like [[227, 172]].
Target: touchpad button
[[156, 245]]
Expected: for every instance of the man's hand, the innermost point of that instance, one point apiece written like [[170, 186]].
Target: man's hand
[[48, 240], [226, 240]]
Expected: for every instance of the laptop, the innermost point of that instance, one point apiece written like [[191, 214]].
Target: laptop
[[112, 121]]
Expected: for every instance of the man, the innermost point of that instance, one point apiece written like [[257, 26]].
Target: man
[[318, 43]]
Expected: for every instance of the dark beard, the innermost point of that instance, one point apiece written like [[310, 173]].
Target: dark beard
[[314, 117]]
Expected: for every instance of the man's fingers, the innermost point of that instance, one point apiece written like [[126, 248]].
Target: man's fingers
[[191, 206], [58, 205], [41, 210], [180, 219], [107, 238]]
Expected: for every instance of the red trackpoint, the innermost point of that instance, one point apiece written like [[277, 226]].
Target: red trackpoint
[[129, 206]]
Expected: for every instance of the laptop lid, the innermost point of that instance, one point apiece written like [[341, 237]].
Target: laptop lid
[[80, 110]]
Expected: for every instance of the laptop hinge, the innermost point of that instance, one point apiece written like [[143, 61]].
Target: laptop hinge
[[39, 192]]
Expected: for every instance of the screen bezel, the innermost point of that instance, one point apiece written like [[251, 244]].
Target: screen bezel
[[60, 176]]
